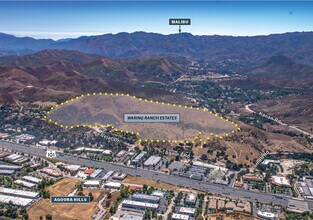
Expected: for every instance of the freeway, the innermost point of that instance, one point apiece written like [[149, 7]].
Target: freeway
[[171, 179]]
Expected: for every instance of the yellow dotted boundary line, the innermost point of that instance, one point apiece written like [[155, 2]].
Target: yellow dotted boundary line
[[197, 138]]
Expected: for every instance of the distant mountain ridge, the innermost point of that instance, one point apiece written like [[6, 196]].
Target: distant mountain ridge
[[281, 71], [10, 43], [297, 45]]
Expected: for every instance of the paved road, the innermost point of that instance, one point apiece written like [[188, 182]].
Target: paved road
[[102, 212], [157, 176], [247, 107], [169, 208], [205, 200]]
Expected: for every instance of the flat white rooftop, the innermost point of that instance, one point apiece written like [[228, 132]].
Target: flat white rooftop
[[15, 200], [72, 167], [153, 160], [280, 180], [180, 216], [265, 214], [32, 179], [187, 210], [94, 150], [139, 156], [107, 175], [140, 204], [14, 156], [92, 183], [24, 183], [131, 217], [96, 173], [18, 193], [113, 185], [9, 167], [158, 193], [145, 197], [267, 161], [191, 197], [7, 172], [210, 166]]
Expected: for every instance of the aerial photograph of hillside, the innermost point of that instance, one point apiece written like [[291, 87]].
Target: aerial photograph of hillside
[[162, 110]]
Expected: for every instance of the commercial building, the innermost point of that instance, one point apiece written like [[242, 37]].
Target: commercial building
[[121, 154], [94, 150], [89, 171], [305, 187], [113, 185], [139, 205], [191, 199], [3, 135], [32, 179], [152, 161], [135, 187], [107, 175], [7, 172], [146, 198], [139, 157], [230, 205], [212, 205], [92, 183], [45, 142], [158, 193], [96, 173], [51, 172], [72, 168], [15, 200], [16, 158], [187, 211], [127, 215], [210, 166], [238, 184], [25, 183], [280, 181], [268, 161], [9, 167], [24, 137], [4, 154], [176, 216], [19, 193], [119, 176], [176, 166], [243, 207], [21, 160], [221, 204], [13, 157], [266, 215], [131, 217], [252, 177]]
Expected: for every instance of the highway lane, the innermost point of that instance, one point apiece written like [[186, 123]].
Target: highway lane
[[157, 176]]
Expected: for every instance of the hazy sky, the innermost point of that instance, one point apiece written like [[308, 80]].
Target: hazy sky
[[72, 19]]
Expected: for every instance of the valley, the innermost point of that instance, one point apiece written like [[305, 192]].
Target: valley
[[156, 110]]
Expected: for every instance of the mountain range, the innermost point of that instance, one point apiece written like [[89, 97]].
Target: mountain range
[[54, 75], [250, 50], [51, 70], [44, 72], [282, 71], [157, 68]]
